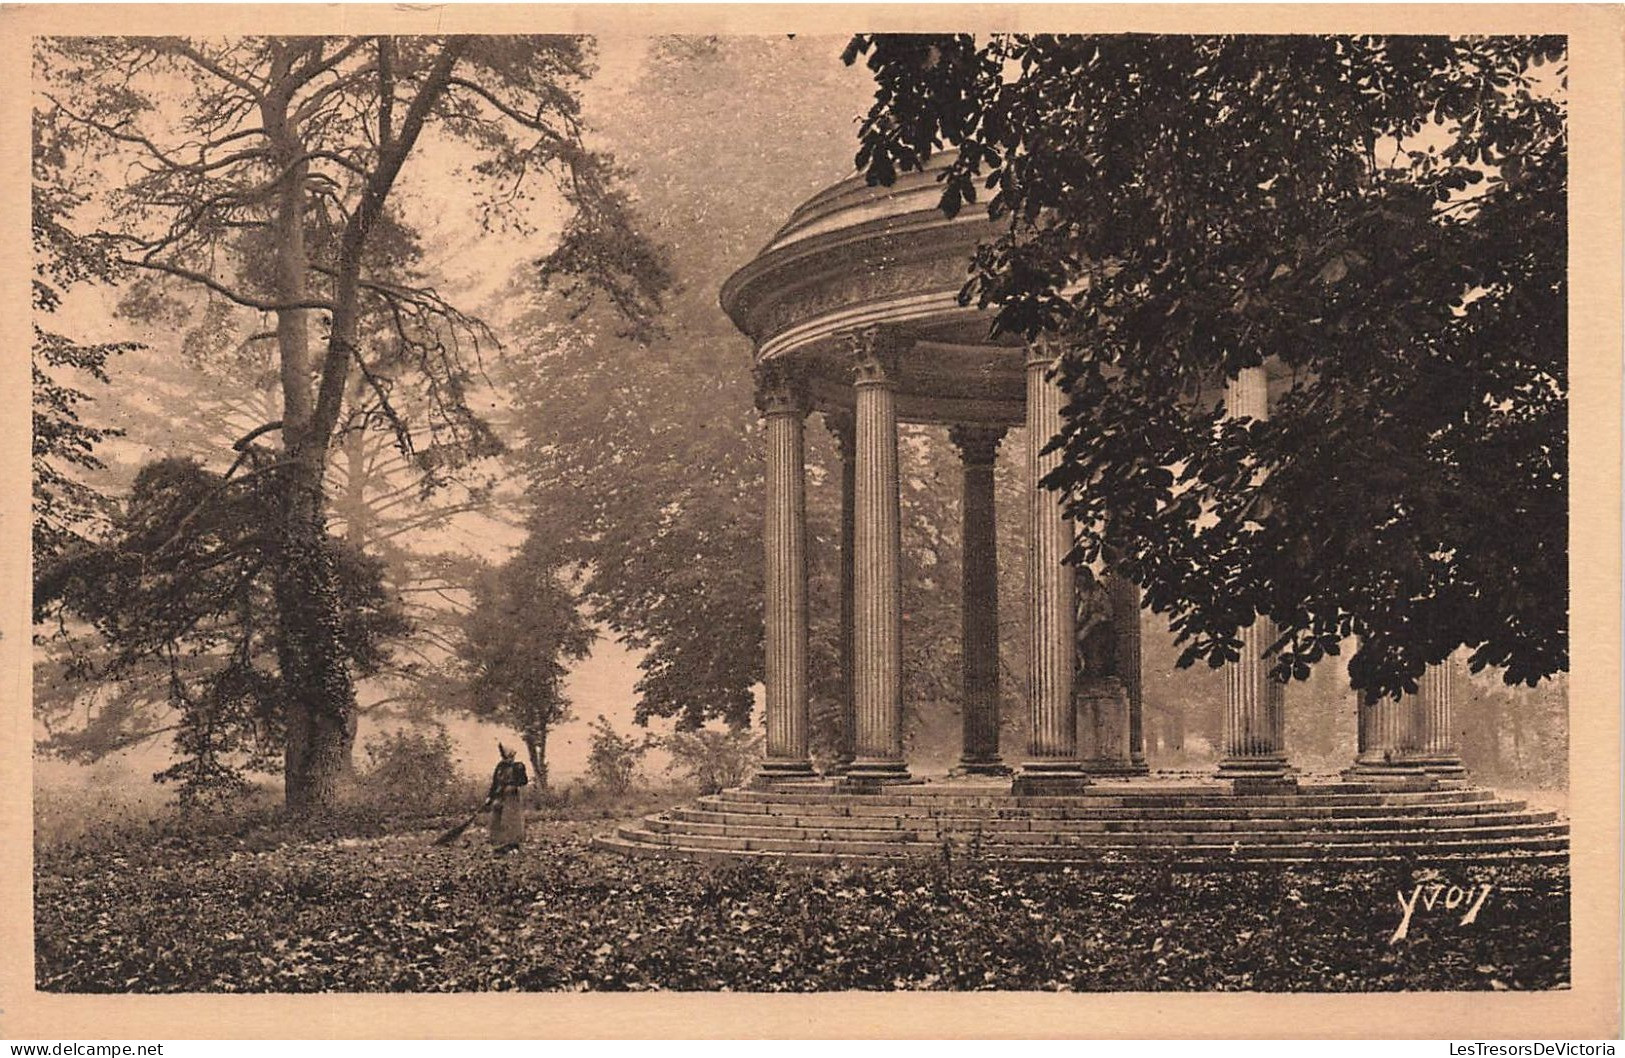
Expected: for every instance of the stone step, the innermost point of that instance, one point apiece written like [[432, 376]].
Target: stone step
[[679, 821], [1105, 786], [1205, 823], [881, 840], [858, 805], [882, 802], [712, 811], [1544, 848]]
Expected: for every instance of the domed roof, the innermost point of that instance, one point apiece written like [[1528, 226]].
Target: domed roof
[[855, 256], [853, 202], [853, 247]]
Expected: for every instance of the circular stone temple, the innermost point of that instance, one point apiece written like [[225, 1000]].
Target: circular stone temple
[[854, 311]]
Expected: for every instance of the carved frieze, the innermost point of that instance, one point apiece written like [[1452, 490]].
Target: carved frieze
[[848, 275]]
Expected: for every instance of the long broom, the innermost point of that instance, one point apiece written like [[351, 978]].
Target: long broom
[[457, 831]]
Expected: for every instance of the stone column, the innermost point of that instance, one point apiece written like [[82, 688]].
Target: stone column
[[877, 624], [843, 426], [979, 602], [1052, 746], [785, 576], [1254, 719], [1408, 740], [1386, 742], [1436, 734]]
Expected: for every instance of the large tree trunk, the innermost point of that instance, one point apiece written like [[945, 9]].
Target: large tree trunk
[[318, 691], [358, 521], [319, 695]]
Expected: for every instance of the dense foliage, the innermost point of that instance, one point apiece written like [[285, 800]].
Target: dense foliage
[[244, 914], [613, 758], [410, 766], [179, 591], [1381, 218], [714, 760]]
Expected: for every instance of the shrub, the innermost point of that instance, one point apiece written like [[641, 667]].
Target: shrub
[[411, 767], [714, 760], [613, 760]]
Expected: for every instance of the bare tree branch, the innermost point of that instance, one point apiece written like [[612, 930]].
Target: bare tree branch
[[224, 291]]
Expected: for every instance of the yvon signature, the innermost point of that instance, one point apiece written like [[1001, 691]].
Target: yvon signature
[[1431, 895]]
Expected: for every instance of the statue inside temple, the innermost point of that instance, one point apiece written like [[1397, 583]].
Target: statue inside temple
[[1100, 693]]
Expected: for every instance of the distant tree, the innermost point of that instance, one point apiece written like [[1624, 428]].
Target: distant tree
[[524, 629], [1383, 216], [262, 171]]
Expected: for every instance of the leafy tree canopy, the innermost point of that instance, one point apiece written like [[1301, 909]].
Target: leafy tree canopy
[[1382, 220], [263, 172]]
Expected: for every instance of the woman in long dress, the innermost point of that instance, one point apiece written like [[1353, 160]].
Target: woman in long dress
[[507, 809]]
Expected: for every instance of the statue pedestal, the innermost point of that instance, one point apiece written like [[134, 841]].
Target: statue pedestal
[[1103, 726]]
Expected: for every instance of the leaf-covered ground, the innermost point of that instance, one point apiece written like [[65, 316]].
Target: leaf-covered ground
[[262, 913]]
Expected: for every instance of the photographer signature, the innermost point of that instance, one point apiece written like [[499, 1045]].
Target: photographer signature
[[1430, 893]]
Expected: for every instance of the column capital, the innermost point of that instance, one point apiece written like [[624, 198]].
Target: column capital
[[875, 351], [978, 445], [1043, 351], [779, 389]]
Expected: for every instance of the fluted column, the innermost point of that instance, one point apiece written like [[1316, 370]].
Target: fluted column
[[1436, 729], [1408, 739], [1254, 719], [844, 427], [877, 624], [1052, 744], [785, 576], [1386, 744], [979, 602]]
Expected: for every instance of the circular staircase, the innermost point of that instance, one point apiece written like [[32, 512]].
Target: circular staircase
[[1194, 823]]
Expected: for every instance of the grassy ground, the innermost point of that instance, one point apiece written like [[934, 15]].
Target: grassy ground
[[371, 905]]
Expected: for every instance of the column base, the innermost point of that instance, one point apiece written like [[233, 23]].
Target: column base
[[778, 771], [994, 766], [876, 772], [1447, 769], [1263, 774], [1410, 773], [1044, 778]]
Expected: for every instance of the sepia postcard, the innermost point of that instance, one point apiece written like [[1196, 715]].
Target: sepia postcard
[[756, 521]]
